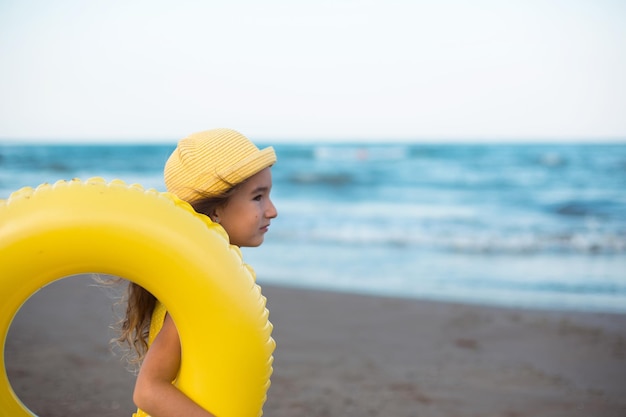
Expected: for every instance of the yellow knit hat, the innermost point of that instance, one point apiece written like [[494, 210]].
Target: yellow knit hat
[[210, 162]]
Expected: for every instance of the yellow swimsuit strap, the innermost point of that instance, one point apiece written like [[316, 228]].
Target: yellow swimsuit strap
[[156, 324]]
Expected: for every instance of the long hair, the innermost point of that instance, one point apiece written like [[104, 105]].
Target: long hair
[[134, 327]]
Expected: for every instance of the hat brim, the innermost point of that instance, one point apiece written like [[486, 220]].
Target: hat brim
[[249, 166]]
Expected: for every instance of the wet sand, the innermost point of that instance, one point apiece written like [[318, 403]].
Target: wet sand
[[347, 355]]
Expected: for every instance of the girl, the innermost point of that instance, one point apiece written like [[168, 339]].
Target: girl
[[226, 177]]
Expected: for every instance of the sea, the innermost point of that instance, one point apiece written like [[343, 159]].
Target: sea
[[537, 226]]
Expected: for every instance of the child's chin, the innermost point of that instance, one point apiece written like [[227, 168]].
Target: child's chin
[[253, 244]]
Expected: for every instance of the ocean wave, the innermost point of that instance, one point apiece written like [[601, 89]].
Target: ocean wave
[[493, 244], [362, 153], [595, 208], [550, 285], [310, 178]]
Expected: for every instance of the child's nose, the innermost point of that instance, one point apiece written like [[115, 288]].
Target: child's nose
[[271, 211]]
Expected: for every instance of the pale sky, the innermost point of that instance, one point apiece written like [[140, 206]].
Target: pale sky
[[125, 70]]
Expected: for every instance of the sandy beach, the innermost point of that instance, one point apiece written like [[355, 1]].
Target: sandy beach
[[347, 355]]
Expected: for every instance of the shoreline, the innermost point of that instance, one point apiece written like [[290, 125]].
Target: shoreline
[[343, 354]]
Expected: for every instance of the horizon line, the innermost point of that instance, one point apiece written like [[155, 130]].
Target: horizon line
[[324, 140]]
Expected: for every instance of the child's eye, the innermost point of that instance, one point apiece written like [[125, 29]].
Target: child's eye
[[258, 197]]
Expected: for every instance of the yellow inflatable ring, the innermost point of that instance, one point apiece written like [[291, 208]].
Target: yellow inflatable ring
[[159, 242]]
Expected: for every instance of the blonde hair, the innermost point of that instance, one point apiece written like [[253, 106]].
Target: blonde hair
[[134, 327]]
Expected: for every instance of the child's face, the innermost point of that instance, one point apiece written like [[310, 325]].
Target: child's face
[[247, 215]]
